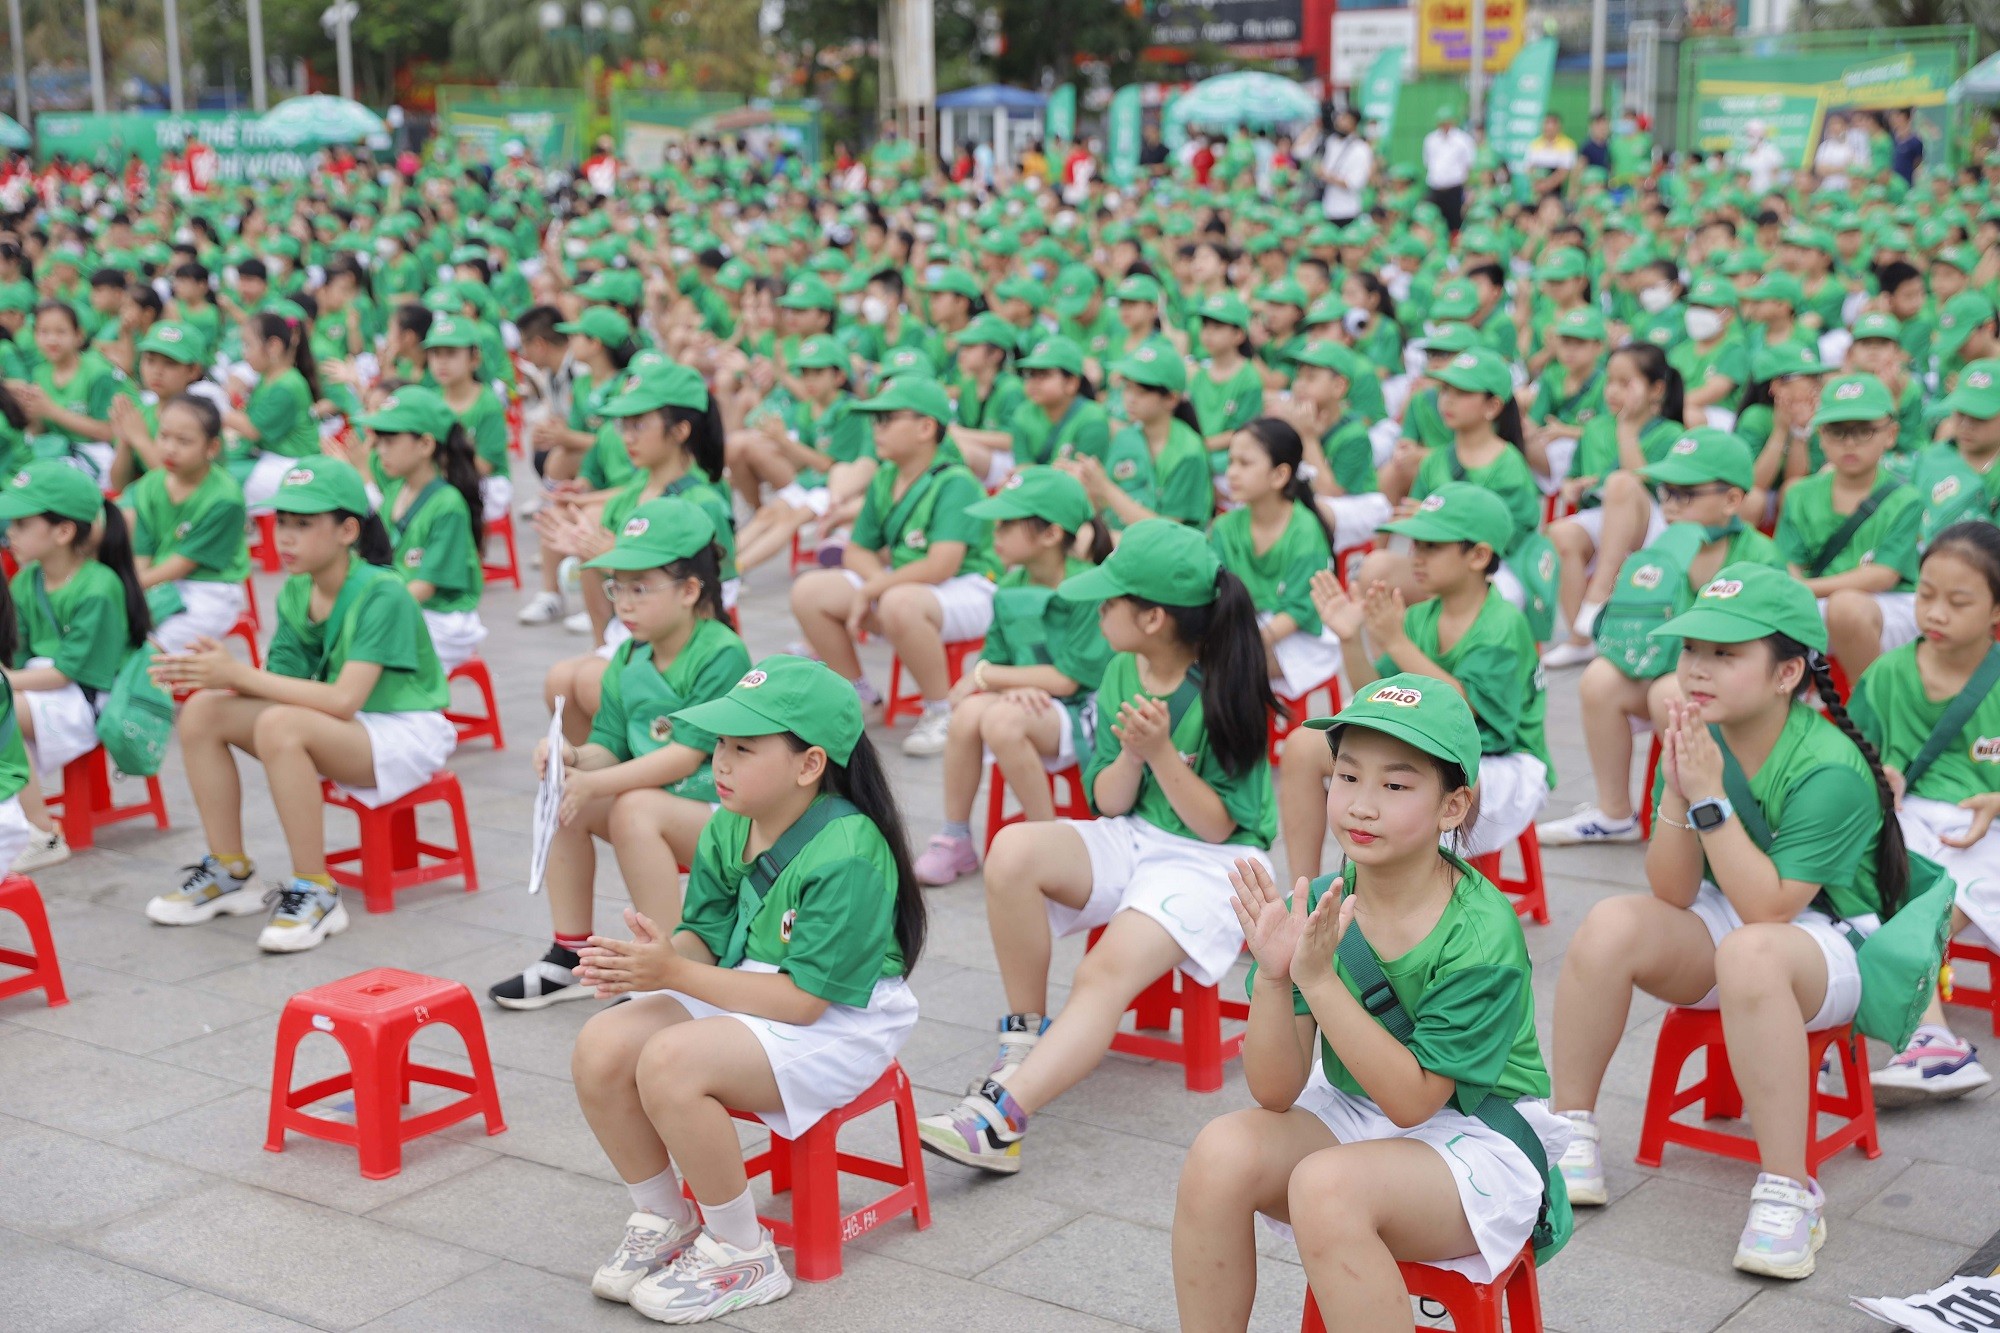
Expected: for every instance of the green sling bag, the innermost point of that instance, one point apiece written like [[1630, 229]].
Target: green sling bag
[[136, 724]]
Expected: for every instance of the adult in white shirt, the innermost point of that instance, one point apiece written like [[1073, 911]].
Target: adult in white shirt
[[1347, 161], [1759, 157], [1448, 154], [1835, 156]]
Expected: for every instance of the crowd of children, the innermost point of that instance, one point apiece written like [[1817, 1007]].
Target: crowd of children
[[1123, 483]]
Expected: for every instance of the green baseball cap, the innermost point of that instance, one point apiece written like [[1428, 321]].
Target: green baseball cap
[[1746, 601], [956, 281], [661, 384], [1455, 300], [658, 533], [1459, 511], [1075, 286], [1451, 338], [809, 291], [619, 286], [906, 361], [18, 296], [1038, 492], [451, 331], [1584, 323], [1420, 711], [1714, 293], [911, 393], [782, 693], [1562, 265], [55, 486], [602, 323], [1479, 370], [1959, 317], [1155, 364], [1139, 287], [1703, 454], [1019, 288], [1978, 391], [176, 342], [1057, 353], [1336, 357], [1777, 285], [321, 485], [413, 409], [1780, 360], [820, 352], [1853, 398], [989, 330], [1225, 308], [1158, 560], [1878, 324], [1285, 291]]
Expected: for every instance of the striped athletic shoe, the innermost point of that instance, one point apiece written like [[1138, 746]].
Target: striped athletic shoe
[[977, 1132], [712, 1278]]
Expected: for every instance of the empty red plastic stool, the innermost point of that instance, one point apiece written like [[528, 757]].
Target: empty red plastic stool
[[912, 704], [267, 543], [810, 1167], [1987, 999], [88, 803], [1686, 1031], [1530, 895], [1202, 1049], [471, 726], [19, 895], [1292, 713], [1474, 1307], [1065, 786], [503, 528], [391, 855], [373, 1015]]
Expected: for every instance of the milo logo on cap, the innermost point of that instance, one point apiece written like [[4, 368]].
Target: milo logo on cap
[[1647, 576], [1986, 750], [1431, 504], [1847, 391], [390, 403], [1465, 361], [631, 384], [1944, 490], [753, 680], [20, 479], [659, 729], [1013, 482], [1979, 379], [1686, 444], [168, 334], [1547, 566], [299, 476], [1397, 695], [1148, 354], [414, 557], [635, 527], [1723, 588]]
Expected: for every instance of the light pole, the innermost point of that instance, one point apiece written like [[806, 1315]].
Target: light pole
[[172, 15], [96, 44], [1599, 21], [256, 19], [20, 62], [339, 21]]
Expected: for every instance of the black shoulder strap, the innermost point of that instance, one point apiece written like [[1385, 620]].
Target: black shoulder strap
[[399, 526], [1956, 714], [1844, 534], [1451, 461], [892, 526]]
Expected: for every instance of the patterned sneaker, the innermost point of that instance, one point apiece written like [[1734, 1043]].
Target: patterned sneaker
[[1583, 1163], [1587, 825], [651, 1243], [302, 914], [1018, 1035], [928, 737], [1786, 1228], [1938, 1064], [549, 980], [977, 1132], [43, 850], [946, 860], [712, 1278], [207, 891]]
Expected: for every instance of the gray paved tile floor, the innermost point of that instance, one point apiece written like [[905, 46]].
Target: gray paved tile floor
[[135, 1192]]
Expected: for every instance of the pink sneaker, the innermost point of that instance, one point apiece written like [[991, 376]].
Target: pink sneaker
[[946, 860]]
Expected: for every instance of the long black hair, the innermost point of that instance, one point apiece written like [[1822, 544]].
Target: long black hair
[[705, 435], [705, 567], [1100, 547], [1236, 698], [862, 782], [1281, 444], [292, 333], [1185, 414], [458, 465], [109, 542], [1652, 364], [373, 545]]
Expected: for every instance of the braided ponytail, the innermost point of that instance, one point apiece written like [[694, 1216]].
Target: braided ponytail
[[1892, 858]]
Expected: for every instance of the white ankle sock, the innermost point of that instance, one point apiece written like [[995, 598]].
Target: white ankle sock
[[662, 1197], [733, 1223]]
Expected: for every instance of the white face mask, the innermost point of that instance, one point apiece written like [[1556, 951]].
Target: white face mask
[[875, 310], [1703, 324], [385, 248], [850, 305], [1656, 298]]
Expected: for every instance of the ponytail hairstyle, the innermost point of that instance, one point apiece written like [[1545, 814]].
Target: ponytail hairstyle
[[1281, 444], [1379, 293], [1099, 548], [1892, 858], [290, 332], [862, 782], [1236, 698], [373, 545], [1508, 425], [1185, 414], [10, 627], [705, 567], [109, 542], [705, 434], [413, 319], [454, 458], [1652, 364]]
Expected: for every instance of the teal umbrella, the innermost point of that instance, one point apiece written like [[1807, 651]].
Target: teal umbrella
[[317, 118], [1229, 100], [13, 135]]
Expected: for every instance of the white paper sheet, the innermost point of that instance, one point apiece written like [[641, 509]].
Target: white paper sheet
[[548, 802], [1962, 1305]]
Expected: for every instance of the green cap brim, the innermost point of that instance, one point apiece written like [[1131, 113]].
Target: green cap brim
[[1428, 528], [1400, 730], [19, 504], [1711, 624], [733, 717], [1093, 585]]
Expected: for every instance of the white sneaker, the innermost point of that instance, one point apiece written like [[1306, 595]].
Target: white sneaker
[[1587, 825], [1786, 1228], [542, 609], [1582, 1163], [577, 622], [651, 1243], [928, 736], [207, 891], [1568, 654], [1938, 1064], [302, 915], [43, 850], [712, 1278]]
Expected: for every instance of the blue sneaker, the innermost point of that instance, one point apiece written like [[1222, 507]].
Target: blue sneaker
[[302, 914]]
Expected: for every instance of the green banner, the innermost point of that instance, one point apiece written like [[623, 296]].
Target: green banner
[[549, 121], [644, 123], [243, 150], [1059, 120], [1793, 95], [1381, 89], [1519, 99], [1122, 138]]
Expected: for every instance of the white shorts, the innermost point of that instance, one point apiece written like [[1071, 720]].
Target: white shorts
[[999, 468], [1592, 521], [64, 723], [264, 479], [496, 497], [1182, 883], [1559, 451], [1306, 661], [1512, 790], [1843, 970], [15, 831], [1975, 869], [1355, 518], [455, 635], [1899, 617], [815, 500], [1499, 1188], [1509, 584], [96, 458], [827, 1063], [1384, 434], [209, 611], [409, 750], [965, 599]]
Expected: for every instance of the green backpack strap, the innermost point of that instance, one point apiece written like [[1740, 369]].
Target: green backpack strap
[[1737, 788], [764, 871], [1844, 534], [1959, 712]]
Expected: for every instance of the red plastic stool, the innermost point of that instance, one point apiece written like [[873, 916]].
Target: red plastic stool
[[503, 528], [1646, 798], [267, 543], [19, 895], [1530, 896], [1202, 1049], [1072, 802], [801, 557], [1292, 713], [391, 855], [471, 726], [912, 704], [90, 778], [245, 629], [1987, 999], [1348, 556], [1474, 1307], [1686, 1031], [810, 1167], [250, 604], [373, 1015]]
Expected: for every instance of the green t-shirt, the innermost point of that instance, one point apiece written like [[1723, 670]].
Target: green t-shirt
[[485, 425], [89, 391], [1280, 578], [382, 624], [1033, 627], [1597, 451], [88, 634], [434, 543], [1507, 476], [1350, 452], [1951, 491], [839, 434], [1247, 796], [1890, 708], [641, 697], [1423, 422], [932, 509], [829, 921], [1226, 405], [997, 409], [14, 754], [281, 408], [1084, 429], [1176, 485], [1728, 359], [1498, 663], [1889, 537], [1555, 402], [207, 527]]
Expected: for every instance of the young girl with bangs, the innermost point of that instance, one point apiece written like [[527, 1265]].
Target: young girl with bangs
[[187, 528], [276, 427], [68, 394]]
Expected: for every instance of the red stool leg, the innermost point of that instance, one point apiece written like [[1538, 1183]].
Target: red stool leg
[[379, 859], [461, 831], [1725, 1099], [1312, 1323], [43, 971], [1153, 1010], [1668, 1056], [996, 806], [378, 1107], [911, 1146], [1201, 1035], [472, 1032], [293, 1025], [1535, 894], [816, 1203]]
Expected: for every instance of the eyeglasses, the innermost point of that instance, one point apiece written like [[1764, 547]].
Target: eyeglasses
[[1689, 494], [613, 589]]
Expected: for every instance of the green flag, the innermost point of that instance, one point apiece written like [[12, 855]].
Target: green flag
[[1520, 99], [1123, 138], [1059, 121], [1380, 89]]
